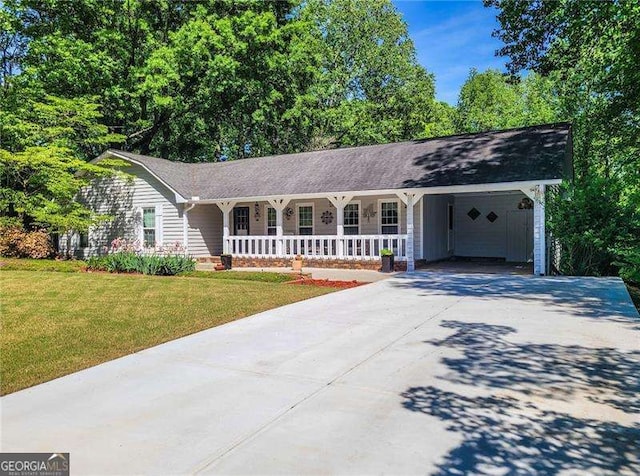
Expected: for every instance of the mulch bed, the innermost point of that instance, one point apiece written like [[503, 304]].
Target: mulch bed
[[326, 283]]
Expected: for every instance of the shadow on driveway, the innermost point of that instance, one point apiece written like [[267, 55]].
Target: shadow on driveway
[[515, 430], [533, 408]]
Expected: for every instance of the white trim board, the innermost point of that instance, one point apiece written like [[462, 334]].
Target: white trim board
[[450, 189]]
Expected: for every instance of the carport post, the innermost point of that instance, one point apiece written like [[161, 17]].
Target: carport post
[[539, 232], [410, 199]]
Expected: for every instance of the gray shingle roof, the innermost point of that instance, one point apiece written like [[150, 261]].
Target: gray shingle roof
[[525, 154]]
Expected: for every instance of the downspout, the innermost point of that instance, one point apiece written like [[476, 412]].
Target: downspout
[[185, 225]]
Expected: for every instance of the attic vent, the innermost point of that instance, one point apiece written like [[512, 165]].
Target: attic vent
[[473, 213]]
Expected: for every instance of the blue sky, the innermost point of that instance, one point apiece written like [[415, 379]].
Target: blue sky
[[451, 37]]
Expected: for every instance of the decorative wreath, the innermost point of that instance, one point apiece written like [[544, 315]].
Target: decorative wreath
[[288, 213], [525, 204], [327, 217]]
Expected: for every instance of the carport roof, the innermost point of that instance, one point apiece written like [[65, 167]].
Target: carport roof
[[533, 153]]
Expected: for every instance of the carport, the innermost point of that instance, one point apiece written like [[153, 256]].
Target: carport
[[488, 230]]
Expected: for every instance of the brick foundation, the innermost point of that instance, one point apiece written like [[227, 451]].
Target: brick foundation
[[247, 262]]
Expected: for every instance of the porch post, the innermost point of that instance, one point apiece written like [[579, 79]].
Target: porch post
[[410, 263], [226, 208], [279, 204], [539, 232], [340, 202], [410, 199]]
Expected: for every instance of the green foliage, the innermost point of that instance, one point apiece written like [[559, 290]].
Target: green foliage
[[629, 264], [367, 85], [201, 81], [23, 264], [591, 52], [492, 101], [40, 185], [386, 252], [72, 124], [130, 262], [593, 225], [182, 80], [443, 121]]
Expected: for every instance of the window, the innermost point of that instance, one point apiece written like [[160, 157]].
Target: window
[[305, 219], [149, 227], [271, 221], [389, 218], [352, 219], [84, 239]]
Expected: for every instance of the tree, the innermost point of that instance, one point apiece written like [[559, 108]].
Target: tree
[[180, 79], [368, 86], [43, 163], [491, 100], [443, 122], [591, 51]]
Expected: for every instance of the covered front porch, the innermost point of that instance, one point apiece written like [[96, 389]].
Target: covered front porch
[[351, 230], [335, 227]]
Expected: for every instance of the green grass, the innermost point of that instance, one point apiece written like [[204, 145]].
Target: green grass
[[72, 266], [26, 264], [57, 323]]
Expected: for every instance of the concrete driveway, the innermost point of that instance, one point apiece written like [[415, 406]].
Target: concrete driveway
[[429, 373]]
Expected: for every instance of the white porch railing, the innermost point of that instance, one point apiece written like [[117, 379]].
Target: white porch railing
[[356, 247]]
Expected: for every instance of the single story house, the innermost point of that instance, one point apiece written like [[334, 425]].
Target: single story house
[[468, 195]]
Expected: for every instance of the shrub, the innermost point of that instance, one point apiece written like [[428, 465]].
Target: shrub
[[386, 252], [598, 228], [17, 243], [130, 262], [629, 264]]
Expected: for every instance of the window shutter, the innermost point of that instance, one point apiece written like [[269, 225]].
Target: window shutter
[[159, 223]]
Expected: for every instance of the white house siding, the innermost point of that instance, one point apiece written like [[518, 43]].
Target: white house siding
[[436, 232], [120, 199], [480, 237], [205, 230]]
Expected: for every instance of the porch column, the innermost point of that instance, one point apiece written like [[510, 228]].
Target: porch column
[[279, 204], [539, 232], [410, 199], [226, 208], [340, 201], [410, 262]]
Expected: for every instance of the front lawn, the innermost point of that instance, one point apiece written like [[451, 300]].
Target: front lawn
[[57, 323]]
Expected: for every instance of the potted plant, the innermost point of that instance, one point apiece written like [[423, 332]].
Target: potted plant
[[226, 261], [387, 260], [296, 263]]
